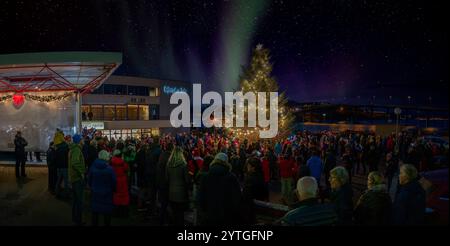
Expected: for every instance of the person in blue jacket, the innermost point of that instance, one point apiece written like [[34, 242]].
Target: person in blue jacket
[[315, 165], [102, 182]]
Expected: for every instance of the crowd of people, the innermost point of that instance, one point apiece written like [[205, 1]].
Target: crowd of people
[[218, 176]]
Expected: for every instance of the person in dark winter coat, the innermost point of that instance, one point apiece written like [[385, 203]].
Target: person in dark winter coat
[[208, 159], [52, 174], [89, 152], [348, 162], [410, 201], [342, 195], [273, 165], [162, 184], [20, 143], [151, 160], [372, 158], [308, 211], [329, 163], [235, 162], [62, 162], [254, 188], [102, 182], [220, 194], [391, 169], [178, 181], [374, 207], [141, 160]]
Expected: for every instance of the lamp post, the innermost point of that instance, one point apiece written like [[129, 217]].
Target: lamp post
[[397, 111]]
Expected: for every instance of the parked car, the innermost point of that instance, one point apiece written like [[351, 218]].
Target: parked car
[[436, 186], [441, 142]]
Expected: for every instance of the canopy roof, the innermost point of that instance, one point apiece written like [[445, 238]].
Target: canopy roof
[[56, 71]]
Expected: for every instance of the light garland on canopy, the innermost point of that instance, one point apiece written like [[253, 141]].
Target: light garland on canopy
[[5, 98], [50, 98]]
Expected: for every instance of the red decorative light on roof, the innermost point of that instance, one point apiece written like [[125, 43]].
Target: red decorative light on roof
[[18, 100]]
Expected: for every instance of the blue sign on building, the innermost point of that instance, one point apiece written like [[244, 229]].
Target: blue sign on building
[[170, 90]]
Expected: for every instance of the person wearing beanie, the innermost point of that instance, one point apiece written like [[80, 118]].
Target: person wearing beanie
[[62, 163], [76, 171], [102, 182], [58, 138], [220, 194]]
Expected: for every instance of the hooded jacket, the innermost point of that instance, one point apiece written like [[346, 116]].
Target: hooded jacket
[[220, 195], [76, 164]]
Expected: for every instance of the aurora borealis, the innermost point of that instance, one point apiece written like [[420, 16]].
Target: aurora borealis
[[334, 51]]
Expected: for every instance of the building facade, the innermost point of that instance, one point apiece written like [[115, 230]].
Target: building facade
[[131, 106]]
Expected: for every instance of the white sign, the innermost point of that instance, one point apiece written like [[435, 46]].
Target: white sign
[[99, 125], [397, 111]]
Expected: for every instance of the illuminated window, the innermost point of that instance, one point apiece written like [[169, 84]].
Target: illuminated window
[[146, 132], [107, 133], [109, 112], [154, 92], [155, 131], [143, 112], [116, 134], [132, 112], [154, 111], [121, 112], [136, 133], [97, 112], [126, 133], [84, 112]]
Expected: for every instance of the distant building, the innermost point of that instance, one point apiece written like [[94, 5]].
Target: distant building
[[131, 106]]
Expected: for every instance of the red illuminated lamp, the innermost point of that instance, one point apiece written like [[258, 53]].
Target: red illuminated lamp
[[18, 100]]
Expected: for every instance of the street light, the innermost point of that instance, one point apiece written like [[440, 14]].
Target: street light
[[397, 111]]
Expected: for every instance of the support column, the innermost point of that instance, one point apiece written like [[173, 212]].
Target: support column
[[78, 112]]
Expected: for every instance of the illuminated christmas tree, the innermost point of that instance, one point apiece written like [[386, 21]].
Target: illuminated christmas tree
[[257, 77]]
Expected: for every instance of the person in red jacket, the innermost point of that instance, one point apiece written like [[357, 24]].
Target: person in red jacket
[[121, 198], [266, 168], [195, 164], [286, 172]]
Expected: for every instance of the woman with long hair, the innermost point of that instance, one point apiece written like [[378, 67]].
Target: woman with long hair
[[178, 181]]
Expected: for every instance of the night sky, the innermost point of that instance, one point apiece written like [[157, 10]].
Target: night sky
[[335, 51]]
